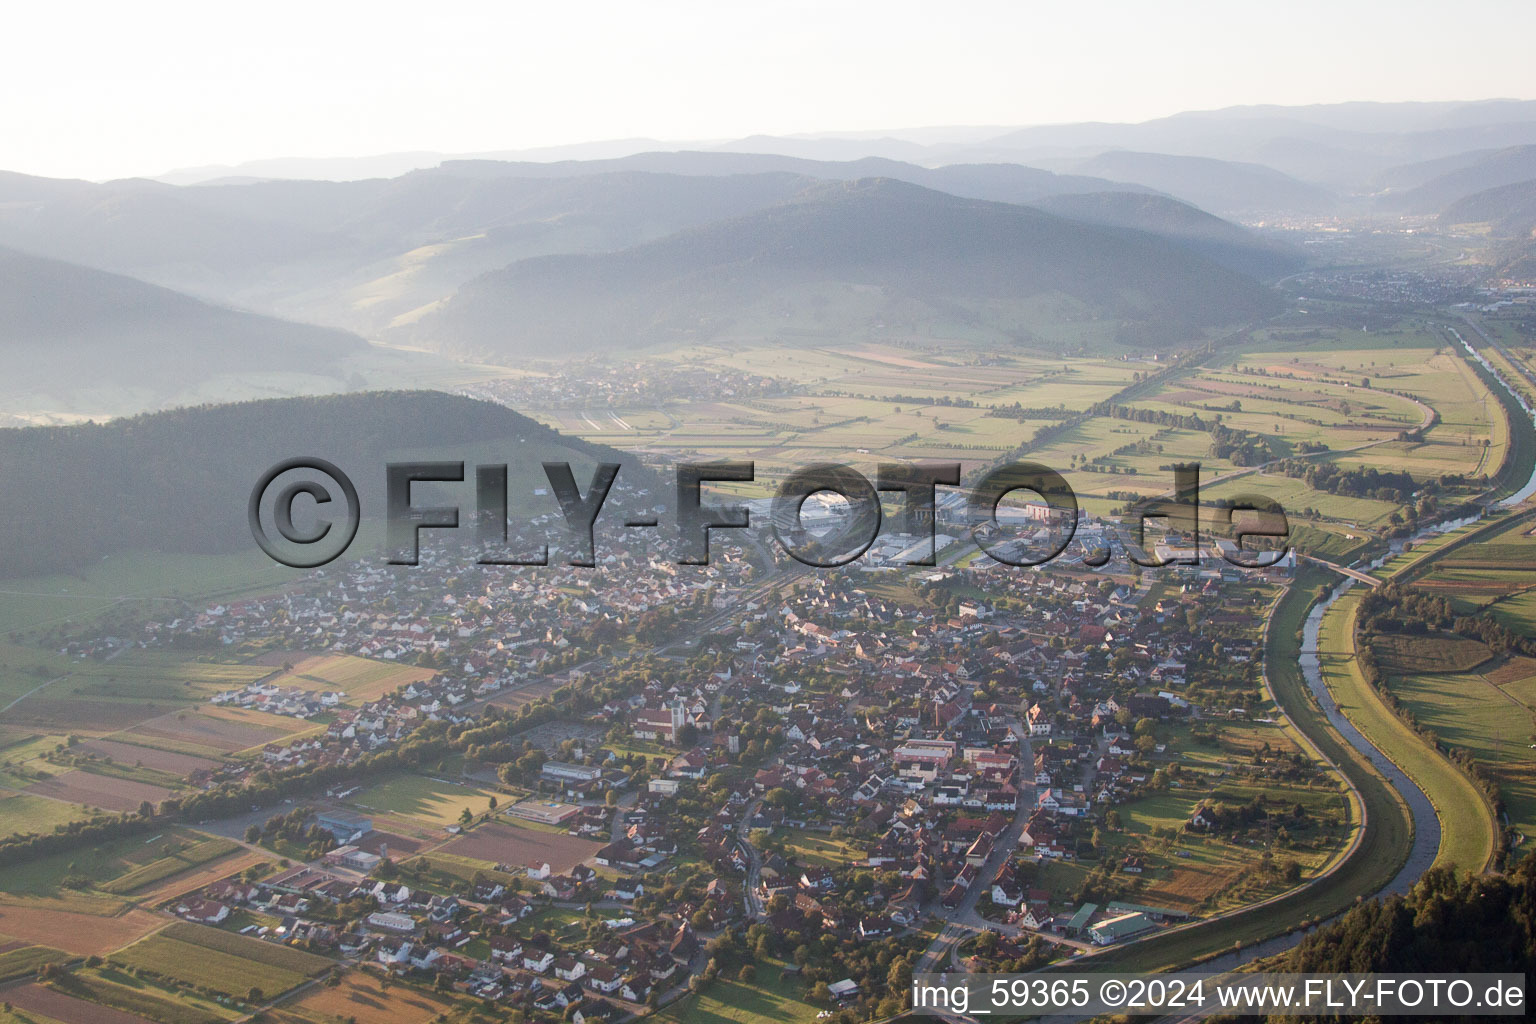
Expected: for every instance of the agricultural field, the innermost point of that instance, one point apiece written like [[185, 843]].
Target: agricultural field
[[211, 732], [361, 679], [166, 761], [1399, 653], [90, 790], [1354, 400], [498, 842], [108, 867], [18, 959], [1352, 392], [27, 812], [199, 876], [1496, 572], [145, 699], [26, 670], [116, 997], [857, 403], [155, 676], [1459, 689], [1348, 511], [172, 864], [423, 801], [361, 995], [38, 1004], [1490, 715], [220, 961], [76, 933], [771, 997], [135, 576]]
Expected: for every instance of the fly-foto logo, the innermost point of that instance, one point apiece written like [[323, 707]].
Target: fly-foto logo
[[335, 513]]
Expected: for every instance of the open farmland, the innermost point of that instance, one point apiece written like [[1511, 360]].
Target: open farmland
[[221, 961], [81, 934], [425, 801], [20, 960], [157, 676], [360, 995], [106, 863], [1345, 404], [194, 878], [925, 400], [271, 953], [1482, 704], [67, 1009], [1432, 653], [172, 864], [86, 717], [207, 968], [1411, 359], [1346, 397], [213, 731], [114, 990], [158, 760], [500, 843], [132, 577], [28, 812], [91, 790], [1495, 723], [361, 679]]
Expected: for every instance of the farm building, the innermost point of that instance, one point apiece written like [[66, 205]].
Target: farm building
[[344, 825], [392, 922], [573, 778], [545, 812], [352, 857], [1114, 929], [845, 989]]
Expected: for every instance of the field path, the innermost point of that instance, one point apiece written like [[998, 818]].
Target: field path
[[34, 690]]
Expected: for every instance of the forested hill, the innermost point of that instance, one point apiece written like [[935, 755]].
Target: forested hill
[[180, 480], [72, 330], [833, 258], [1445, 925]]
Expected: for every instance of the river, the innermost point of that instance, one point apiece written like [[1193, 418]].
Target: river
[[1530, 485]]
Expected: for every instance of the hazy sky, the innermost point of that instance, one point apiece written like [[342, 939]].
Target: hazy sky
[[95, 89]]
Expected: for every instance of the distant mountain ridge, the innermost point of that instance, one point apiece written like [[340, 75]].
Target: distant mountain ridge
[[1492, 170], [999, 182], [1219, 241], [889, 241], [1217, 186], [1340, 145], [1509, 209], [66, 325]]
